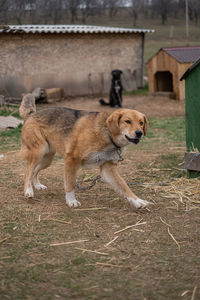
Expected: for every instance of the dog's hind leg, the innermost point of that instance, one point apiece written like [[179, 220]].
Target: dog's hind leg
[[38, 158], [71, 169], [28, 188], [43, 163]]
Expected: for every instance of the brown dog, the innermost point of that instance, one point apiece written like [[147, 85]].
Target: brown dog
[[83, 138]]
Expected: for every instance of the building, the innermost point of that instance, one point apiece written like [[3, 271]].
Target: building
[[74, 57], [167, 66]]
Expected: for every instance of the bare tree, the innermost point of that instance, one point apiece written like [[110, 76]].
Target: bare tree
[[56, 8], [162, 8], [20, 11], [136, 6], [112, 6], [87, 8], [3, 11], [146, 5], [194, 10], [73, 6]]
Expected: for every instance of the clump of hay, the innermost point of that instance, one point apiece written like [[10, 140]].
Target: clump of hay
[[181, 191]]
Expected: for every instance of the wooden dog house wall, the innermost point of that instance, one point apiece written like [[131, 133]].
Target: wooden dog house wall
[[192, 108], [166, 67]]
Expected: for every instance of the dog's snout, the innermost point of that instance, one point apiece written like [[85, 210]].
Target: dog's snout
[[138, 133]]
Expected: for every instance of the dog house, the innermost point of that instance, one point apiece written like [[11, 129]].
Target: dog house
[[192, 108], [166, 67], [77, 58]]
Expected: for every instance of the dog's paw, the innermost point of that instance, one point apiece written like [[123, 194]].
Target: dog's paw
[[40, 186], [29, 192], [138, 203], [71, 200]]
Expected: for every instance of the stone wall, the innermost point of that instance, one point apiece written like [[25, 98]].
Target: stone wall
[[79, 63]]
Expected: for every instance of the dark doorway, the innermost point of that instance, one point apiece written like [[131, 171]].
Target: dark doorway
[[163, 81]]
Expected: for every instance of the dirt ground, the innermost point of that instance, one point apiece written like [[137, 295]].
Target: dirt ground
[[110, 251], [151, 106]]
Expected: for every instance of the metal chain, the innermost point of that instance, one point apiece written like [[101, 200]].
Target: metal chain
[[98, 178], [86, 188]]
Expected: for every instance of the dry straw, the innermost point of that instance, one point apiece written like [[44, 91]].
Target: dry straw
[[112, 241], [130, 226], [90, 208], [68, 243], [173, 238], [111, 265], [5, 239], [183, 191], [92, 251]]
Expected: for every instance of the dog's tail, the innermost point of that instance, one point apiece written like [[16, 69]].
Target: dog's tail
[[27, 106], [103, 102]]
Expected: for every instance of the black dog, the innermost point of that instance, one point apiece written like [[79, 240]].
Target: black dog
[[115, 97]]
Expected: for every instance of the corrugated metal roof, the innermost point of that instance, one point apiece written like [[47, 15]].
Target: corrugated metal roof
[[68, 29], [184, 54]]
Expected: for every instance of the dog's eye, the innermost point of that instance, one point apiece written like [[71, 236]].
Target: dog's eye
[[141, 123], [128, 121]]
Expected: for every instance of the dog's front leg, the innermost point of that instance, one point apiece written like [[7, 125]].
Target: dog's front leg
[[71, 168], [110, 174]]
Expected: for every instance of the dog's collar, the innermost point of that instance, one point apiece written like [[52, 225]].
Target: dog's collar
[[119, 149], [116, 146]]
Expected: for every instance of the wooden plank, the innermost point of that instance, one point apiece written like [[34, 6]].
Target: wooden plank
[[192, 161], [9, 122]]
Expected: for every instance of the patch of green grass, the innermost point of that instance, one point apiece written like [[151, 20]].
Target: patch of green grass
[[10, 139], [169, 161], [141, 91], [172, 129], [10, 110], [163, 133]]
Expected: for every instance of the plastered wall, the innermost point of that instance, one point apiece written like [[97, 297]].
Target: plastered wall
[[79, 63]]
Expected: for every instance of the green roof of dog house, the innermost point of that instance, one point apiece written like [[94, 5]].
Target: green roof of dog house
[[192, 108]]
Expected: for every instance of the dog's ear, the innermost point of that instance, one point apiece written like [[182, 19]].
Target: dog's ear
[[113, 122], [146, 124]]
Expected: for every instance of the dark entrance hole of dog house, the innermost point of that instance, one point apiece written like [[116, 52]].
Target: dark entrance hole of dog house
[[163, 81]]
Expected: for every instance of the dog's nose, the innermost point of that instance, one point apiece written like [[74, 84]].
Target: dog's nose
[[138, 133]]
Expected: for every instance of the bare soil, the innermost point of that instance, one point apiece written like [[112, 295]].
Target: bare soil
[[157, 258], [151, 106]]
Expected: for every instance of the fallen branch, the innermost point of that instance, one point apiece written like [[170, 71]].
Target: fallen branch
[[68, 243]]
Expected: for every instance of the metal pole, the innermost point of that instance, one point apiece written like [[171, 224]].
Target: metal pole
[[186, 19]]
